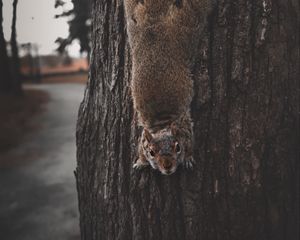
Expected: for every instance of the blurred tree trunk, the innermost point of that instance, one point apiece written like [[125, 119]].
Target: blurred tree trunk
[[37, 66], [5, 75], [17, 85], [245, 185]]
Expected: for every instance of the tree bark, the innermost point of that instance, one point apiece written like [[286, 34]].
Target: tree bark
[[245, 183], [17, 86], [5, 75]]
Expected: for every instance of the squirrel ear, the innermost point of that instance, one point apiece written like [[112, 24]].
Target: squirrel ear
[[174, 128], [147, 135]]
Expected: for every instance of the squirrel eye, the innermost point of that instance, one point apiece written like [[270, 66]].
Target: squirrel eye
[[152, 153], [177, 147]]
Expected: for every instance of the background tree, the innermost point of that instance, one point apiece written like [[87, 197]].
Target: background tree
[[5, 75], [245, 184], [16, 72], [79, 25], [31, 59]]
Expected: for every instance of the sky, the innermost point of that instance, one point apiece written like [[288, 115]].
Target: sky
[[36, 24]]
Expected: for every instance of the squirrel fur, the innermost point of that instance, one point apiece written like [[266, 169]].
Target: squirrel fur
[[163, 37]]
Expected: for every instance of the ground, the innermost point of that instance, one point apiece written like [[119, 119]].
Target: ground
[[75, 78], [16, 113], [38, 198]]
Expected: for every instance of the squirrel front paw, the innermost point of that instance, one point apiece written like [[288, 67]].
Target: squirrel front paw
[[189, 163], [139, 164]]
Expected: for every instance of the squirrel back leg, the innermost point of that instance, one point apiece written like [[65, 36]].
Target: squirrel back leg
[[130, 8]]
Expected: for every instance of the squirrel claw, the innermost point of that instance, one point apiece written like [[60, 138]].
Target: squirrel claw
[[139, 164], [135, 166], [189, 164]]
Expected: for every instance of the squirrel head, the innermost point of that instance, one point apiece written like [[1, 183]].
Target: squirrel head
[[164, 149]]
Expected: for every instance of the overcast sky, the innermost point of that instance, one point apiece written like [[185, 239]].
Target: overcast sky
[[36, 24]]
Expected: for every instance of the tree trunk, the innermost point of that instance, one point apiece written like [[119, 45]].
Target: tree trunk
[[15, 53], [245, 183], [5, 76]]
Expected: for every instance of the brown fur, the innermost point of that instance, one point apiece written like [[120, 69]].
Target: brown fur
[[163, 37]]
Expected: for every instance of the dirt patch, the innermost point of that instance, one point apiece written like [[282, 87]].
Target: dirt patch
[[16, 117], [74, 78]]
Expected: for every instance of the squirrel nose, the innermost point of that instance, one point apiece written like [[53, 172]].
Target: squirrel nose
[[167, 165]]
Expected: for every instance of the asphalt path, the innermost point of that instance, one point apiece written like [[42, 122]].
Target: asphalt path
[[38, 198]]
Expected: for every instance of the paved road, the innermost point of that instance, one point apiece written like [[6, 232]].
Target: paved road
[[38, 199]]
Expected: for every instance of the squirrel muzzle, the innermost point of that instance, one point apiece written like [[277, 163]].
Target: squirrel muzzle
[[167, 164]]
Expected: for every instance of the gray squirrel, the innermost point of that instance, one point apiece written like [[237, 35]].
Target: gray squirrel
[[163, 37]]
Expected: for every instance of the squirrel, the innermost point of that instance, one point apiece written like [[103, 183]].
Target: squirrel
[[163, 37]]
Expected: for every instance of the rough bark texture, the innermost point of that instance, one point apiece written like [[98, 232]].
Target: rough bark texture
[[5, 76], [245, 184]]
